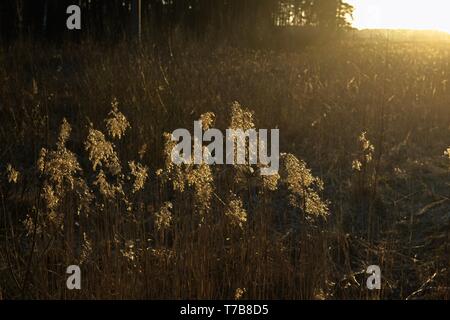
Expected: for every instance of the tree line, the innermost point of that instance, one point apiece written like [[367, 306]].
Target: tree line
[[200, 18]]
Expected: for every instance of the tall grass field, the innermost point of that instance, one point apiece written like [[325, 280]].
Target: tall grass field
[[86, 176]]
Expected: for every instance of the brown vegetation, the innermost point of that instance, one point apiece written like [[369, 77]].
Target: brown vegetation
[[87, 179]]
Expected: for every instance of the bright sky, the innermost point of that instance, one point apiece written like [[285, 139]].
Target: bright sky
[[402, 14]]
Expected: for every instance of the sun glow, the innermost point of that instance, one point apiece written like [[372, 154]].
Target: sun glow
[[402, 14]]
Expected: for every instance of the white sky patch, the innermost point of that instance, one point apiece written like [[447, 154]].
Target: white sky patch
[[402, 14]]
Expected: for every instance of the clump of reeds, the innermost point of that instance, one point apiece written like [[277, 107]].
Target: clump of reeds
[[303, 187]]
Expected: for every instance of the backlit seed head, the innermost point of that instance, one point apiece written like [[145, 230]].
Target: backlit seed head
[[101, 152], [201, 178], [107, 189], [235, 212], [356, 165], [50, 197], [167, 153], [207, 120], [447, 153], [116, 123], [302, 186], [239, 293], [163, 218], [270, 182], [60, 168], [64, 133], [12, 174], [174, 173], [41, 160], [365, 154], [140, 174], [241, 118]]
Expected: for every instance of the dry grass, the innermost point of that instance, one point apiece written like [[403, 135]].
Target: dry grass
[[87, 177]]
